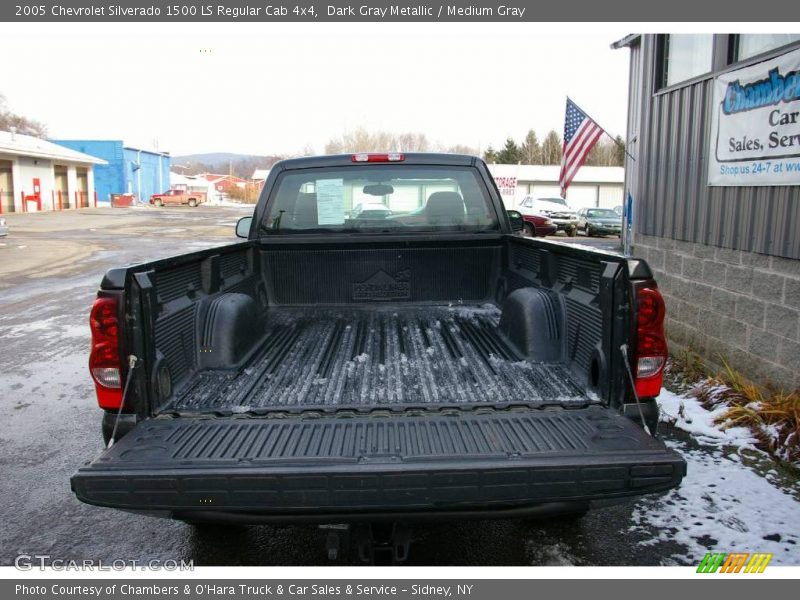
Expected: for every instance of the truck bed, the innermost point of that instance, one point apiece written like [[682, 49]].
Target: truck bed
[[379, 357]]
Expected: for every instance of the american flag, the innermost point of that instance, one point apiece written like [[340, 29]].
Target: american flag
[[580, 136]]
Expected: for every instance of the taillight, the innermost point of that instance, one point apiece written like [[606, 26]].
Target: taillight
[[372, 157], [105, 364], [651, 345]]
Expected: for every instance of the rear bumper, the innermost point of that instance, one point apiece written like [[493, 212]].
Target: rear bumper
[[562, 224], [545, 231], [477, 466], [606, 230], [441, 490]]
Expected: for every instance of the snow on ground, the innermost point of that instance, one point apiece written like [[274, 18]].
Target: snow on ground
[[686, 412], [723, 505]]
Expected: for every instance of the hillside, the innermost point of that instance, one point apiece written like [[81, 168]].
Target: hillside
[[242, 165]]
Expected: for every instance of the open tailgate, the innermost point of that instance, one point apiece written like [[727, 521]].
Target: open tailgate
[[463, 461]]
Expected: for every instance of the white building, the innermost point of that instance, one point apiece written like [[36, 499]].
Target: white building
[[592, 187], [260, 176], [39, 175]]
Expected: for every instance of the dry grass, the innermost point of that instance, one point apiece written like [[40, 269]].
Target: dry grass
[[685, 369], [772, 414]]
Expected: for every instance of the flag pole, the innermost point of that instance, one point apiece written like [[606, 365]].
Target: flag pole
[[613, 139]]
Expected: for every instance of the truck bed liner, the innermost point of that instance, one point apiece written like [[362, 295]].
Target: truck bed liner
[[379, 357]]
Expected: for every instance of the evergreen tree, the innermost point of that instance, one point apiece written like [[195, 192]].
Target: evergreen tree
[[509, 155]]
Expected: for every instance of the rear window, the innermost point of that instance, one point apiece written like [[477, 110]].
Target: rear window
[[602, 213], [380, 198], [559, 201]]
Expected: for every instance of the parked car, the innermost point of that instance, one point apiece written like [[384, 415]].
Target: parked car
[[3, 227], [378, 370], [599, 221], [178, 197], [370, 210], [538, 226], [619, 209], [556, 209]]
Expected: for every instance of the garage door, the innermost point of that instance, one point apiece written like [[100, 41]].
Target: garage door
[[545, 191], [610, 196], [6, 187], [582, 196], [62, 195]]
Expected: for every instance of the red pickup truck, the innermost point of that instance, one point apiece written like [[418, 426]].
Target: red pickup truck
[[192, 198]]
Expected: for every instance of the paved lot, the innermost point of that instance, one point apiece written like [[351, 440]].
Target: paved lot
[[49, 424]]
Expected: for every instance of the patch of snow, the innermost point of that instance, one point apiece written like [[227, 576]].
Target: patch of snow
[[468, 312], [722, 506], [686, 413]]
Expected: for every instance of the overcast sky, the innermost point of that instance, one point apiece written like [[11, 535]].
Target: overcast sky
[[277, 90]]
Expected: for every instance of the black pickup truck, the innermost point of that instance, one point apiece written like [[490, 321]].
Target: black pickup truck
[[423, 361]]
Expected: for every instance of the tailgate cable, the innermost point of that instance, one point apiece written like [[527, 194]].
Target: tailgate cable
[[626, 362], [131, 366]]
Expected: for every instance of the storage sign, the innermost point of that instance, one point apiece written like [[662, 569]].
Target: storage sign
[[507, 187], [755, 128]]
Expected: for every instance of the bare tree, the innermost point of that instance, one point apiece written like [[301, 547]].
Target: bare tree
[[23, 125], [461, 149], [361, 140], [551, 149], [607, 153], [530, 152]]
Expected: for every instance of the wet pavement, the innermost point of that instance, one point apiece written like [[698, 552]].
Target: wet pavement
[[50, 425]]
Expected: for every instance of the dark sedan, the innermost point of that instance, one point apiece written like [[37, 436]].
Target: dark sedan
[[599, 221]]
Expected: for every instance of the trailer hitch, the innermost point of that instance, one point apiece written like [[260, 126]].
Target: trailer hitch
[[377, 543]]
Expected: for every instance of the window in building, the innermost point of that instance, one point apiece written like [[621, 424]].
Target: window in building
[[746, 45], [684, 56]]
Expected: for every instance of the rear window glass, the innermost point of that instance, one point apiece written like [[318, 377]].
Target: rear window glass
[[380, 198], [602, 213]]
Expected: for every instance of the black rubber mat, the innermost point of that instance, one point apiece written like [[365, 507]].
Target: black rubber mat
[[339, 358]]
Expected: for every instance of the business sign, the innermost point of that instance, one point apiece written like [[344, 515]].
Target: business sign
[[507, 186], [755, 128]]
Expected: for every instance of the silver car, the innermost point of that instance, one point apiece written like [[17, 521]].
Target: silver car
[[3, 227]]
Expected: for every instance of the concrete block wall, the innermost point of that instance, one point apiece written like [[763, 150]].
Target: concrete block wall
[[722, 303]]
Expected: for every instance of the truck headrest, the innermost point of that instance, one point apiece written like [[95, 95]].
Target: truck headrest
[[305, 211], [445, 208]]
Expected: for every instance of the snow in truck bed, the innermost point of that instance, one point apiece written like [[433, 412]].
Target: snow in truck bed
[[380, 357]]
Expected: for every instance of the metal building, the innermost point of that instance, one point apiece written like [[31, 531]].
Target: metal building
[[592, 186], [129, 170], [714, 128], [37, 175]]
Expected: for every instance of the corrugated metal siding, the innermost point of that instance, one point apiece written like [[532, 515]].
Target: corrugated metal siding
[[108, 179], [668, 179]]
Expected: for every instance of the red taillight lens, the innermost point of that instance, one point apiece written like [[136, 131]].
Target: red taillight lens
[[104, 360], [650, 307], [651, 345], [386, 157]]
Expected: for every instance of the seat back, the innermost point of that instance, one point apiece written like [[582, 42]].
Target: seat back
[[445, 208], [305, 214]]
